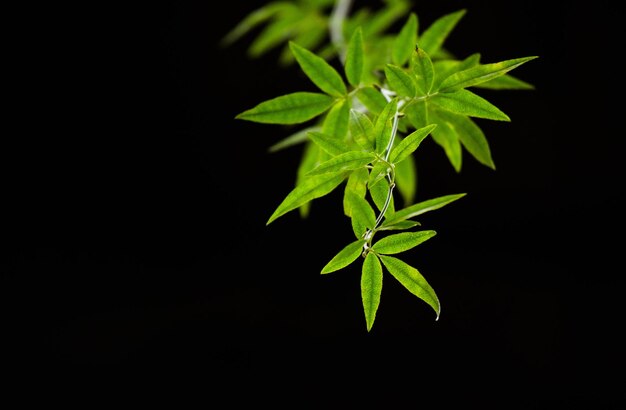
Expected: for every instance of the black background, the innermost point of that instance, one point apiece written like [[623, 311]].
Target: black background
[[136, 205]]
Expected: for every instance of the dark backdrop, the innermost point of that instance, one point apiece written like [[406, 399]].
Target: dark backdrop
[[135, 234]]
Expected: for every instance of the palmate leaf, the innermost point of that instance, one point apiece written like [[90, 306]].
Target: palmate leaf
[[309, 188], [319, 71], [465, 102], [371, 287], [422, 207], [355, 55], [412, 280], [345, 257], [294, 108], [347, 161], [401, 242], [405, 41], [435, 35], [481, 74]]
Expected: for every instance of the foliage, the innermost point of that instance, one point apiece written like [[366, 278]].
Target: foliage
[[379, 94]]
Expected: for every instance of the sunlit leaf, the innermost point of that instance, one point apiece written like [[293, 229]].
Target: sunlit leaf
[[347, 161], [363, 216], [354, 58], [345, 257], [291, 108], [329, 143], [383, 126], [412, 280], [337, 118], [377, 173], [372, 99], [405, 41], [309, 189], [401, 242], [422, 207], [465, 102], [361, 130], [356, 184], [379, 193], [410, 143], [371, 287], [436, 34], [506, 82], [399, 81], [400, 225], [422, 67], [320, 72], [417, 114]]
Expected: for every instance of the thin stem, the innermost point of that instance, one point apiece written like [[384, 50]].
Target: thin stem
[[338, 16]]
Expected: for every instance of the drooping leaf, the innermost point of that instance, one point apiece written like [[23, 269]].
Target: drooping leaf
[[296, 138], [356, 184], [361, 130], [410, 143], [337, 119], [372, 99], [363, 216], [320, 72], [412, 280], [291, 108], [401, 242], [465, 102], [347, 161], [345, 257], [383, 126], [423, 69], [329, 143], [406, 179], [371, 287], [405, 41], [399, 81], [355, 55], [437, 33], [422, 207], [480, 74], [447, 137], [309, 189], [472, 138]]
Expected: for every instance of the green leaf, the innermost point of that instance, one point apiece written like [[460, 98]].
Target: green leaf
[[345, 257], [337, 118], [384, 17], [423, 69], [319, 71], [377, 173], [254, 19], [406, 179], [291, 108], [329, 143], [401, 242], [400, 81], [372, 99], [465, 102], [347, 161], [472, 138], [296, 138], [446, 136], [383, 126], [371, 287], [361, 130], [399, 225], [480, 74], [410, 143], [357, 184], [309, 189], [435, 35], [506, 82], [405, 41], [274, 34], [417, 114], [355, 58], [379, 193], [422, 207], [311, 157], [363, 217], [412, 280]]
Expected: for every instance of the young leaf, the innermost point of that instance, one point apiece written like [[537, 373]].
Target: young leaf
[[356, 184], [345, 257], [400, 81], [329, 143], [309, 189], [361, 130], [412, 280], [371, 287], [422, 207], [337, 118], [405, 42], [347, 161], [382, 126], [401, 242], [410, 143], [435, 35], [423, 69], [363, 216], [480, 74], [372, 99], [291, 108], [465, 102], [319, 71], [354, 58]]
